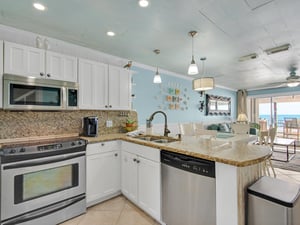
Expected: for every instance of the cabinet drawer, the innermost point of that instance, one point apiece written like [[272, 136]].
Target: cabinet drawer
[[141, 150], [101, 147]]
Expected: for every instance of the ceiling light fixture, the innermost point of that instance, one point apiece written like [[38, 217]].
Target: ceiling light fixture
[[193, 68], [248, 57], [157, 78], [143, 3], [278, 49], [110, 33], [293, 84], [39, 6], [203, 83]]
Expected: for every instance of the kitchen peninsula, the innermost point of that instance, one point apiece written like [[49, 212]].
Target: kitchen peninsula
[[238, 165]]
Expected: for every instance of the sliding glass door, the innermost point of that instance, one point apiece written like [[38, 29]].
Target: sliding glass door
[[274, 110]]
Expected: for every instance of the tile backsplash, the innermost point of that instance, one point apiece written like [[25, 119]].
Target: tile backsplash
[[15, 124]]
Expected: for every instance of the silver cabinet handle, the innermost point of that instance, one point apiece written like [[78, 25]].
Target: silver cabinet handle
[[48, 75], [41, 74], [137, 161], [102, 144], [116, 154], [134, 160]]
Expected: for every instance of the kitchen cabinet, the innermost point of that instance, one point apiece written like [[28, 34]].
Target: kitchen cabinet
[[141, 177], [92, 81], [103, 86], [103, 175], [29, 61], [119, 88], [1, 72], [61, 67]]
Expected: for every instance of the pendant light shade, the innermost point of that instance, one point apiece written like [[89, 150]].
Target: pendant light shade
[[203, 83], [157, 78], [193, 68]]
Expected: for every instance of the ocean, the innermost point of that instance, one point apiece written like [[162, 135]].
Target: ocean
[[280, 118]]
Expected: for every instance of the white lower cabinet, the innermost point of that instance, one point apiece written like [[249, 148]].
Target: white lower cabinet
[[102, 171], [141, 177]]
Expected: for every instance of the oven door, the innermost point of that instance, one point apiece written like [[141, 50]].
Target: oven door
[[34, 184]]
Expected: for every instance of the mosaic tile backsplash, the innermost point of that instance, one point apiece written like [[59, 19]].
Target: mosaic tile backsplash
[[31, 123]]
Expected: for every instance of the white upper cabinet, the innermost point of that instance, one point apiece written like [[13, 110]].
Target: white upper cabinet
[[103, 86], [119, 96], [61, 67], [29, 61], [1, 71], [23, 60], [92, 83]]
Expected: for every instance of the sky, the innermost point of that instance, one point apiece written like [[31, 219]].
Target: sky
[[283, 108]]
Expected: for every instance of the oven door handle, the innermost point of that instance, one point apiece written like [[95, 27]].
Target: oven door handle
[[45, 211], [42, 161]]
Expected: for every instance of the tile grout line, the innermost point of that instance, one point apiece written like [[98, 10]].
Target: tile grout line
[[121, 211]]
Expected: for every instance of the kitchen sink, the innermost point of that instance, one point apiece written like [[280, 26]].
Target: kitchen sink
[[156, 139]]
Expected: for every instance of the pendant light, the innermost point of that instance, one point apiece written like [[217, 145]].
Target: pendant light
[[203, 83], [193, 68], [157, 78]]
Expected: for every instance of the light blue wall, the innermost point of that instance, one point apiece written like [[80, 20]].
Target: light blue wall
[[150, 97]]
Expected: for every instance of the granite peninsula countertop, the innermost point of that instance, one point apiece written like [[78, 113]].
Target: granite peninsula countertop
[[236, 153]]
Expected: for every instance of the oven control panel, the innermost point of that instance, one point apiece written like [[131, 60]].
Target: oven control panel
[[22, 150]]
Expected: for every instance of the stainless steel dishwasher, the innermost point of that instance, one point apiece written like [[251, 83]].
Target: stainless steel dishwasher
[[188, 190]]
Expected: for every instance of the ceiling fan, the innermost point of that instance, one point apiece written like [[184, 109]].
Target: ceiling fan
[[292, 80]]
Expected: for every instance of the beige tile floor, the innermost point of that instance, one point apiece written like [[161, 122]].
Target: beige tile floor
[[117, 211], [120, 211], [288, 175]]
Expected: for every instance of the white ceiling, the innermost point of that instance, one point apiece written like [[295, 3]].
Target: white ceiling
[[227, 30]]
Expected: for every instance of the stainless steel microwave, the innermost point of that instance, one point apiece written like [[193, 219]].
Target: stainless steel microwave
[[30, 93]]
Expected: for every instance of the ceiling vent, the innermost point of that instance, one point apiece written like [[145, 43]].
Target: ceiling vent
[[248, 57], [278, 49]]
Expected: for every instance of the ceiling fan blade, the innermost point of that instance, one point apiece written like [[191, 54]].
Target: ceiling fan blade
[[270, 86]]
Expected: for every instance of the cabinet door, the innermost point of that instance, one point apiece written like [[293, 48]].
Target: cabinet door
[[23, 60], [93, 84], [119, 88], [103, 175], [61, 67], [1, 71], [149, 186], [129, 175]]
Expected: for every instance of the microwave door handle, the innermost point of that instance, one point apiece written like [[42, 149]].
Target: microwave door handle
[[64, 94], [41, 161]]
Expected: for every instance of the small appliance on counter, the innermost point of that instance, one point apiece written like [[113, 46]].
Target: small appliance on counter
[[90, 126]]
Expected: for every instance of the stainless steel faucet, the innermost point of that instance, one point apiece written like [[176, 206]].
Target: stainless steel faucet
[[166, 130]]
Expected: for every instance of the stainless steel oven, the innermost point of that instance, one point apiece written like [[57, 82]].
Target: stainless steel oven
[[30, 93], [44, 183]]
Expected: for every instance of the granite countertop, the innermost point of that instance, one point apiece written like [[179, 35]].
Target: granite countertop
[[236, 153]]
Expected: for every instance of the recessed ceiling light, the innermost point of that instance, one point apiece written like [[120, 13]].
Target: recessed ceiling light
[[110, 33], [39, 6], [143, 3]]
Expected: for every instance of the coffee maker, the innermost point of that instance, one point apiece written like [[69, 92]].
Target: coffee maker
[[90, 126]]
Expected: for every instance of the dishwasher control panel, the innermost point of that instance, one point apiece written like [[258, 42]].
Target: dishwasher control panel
[[188, 163]]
